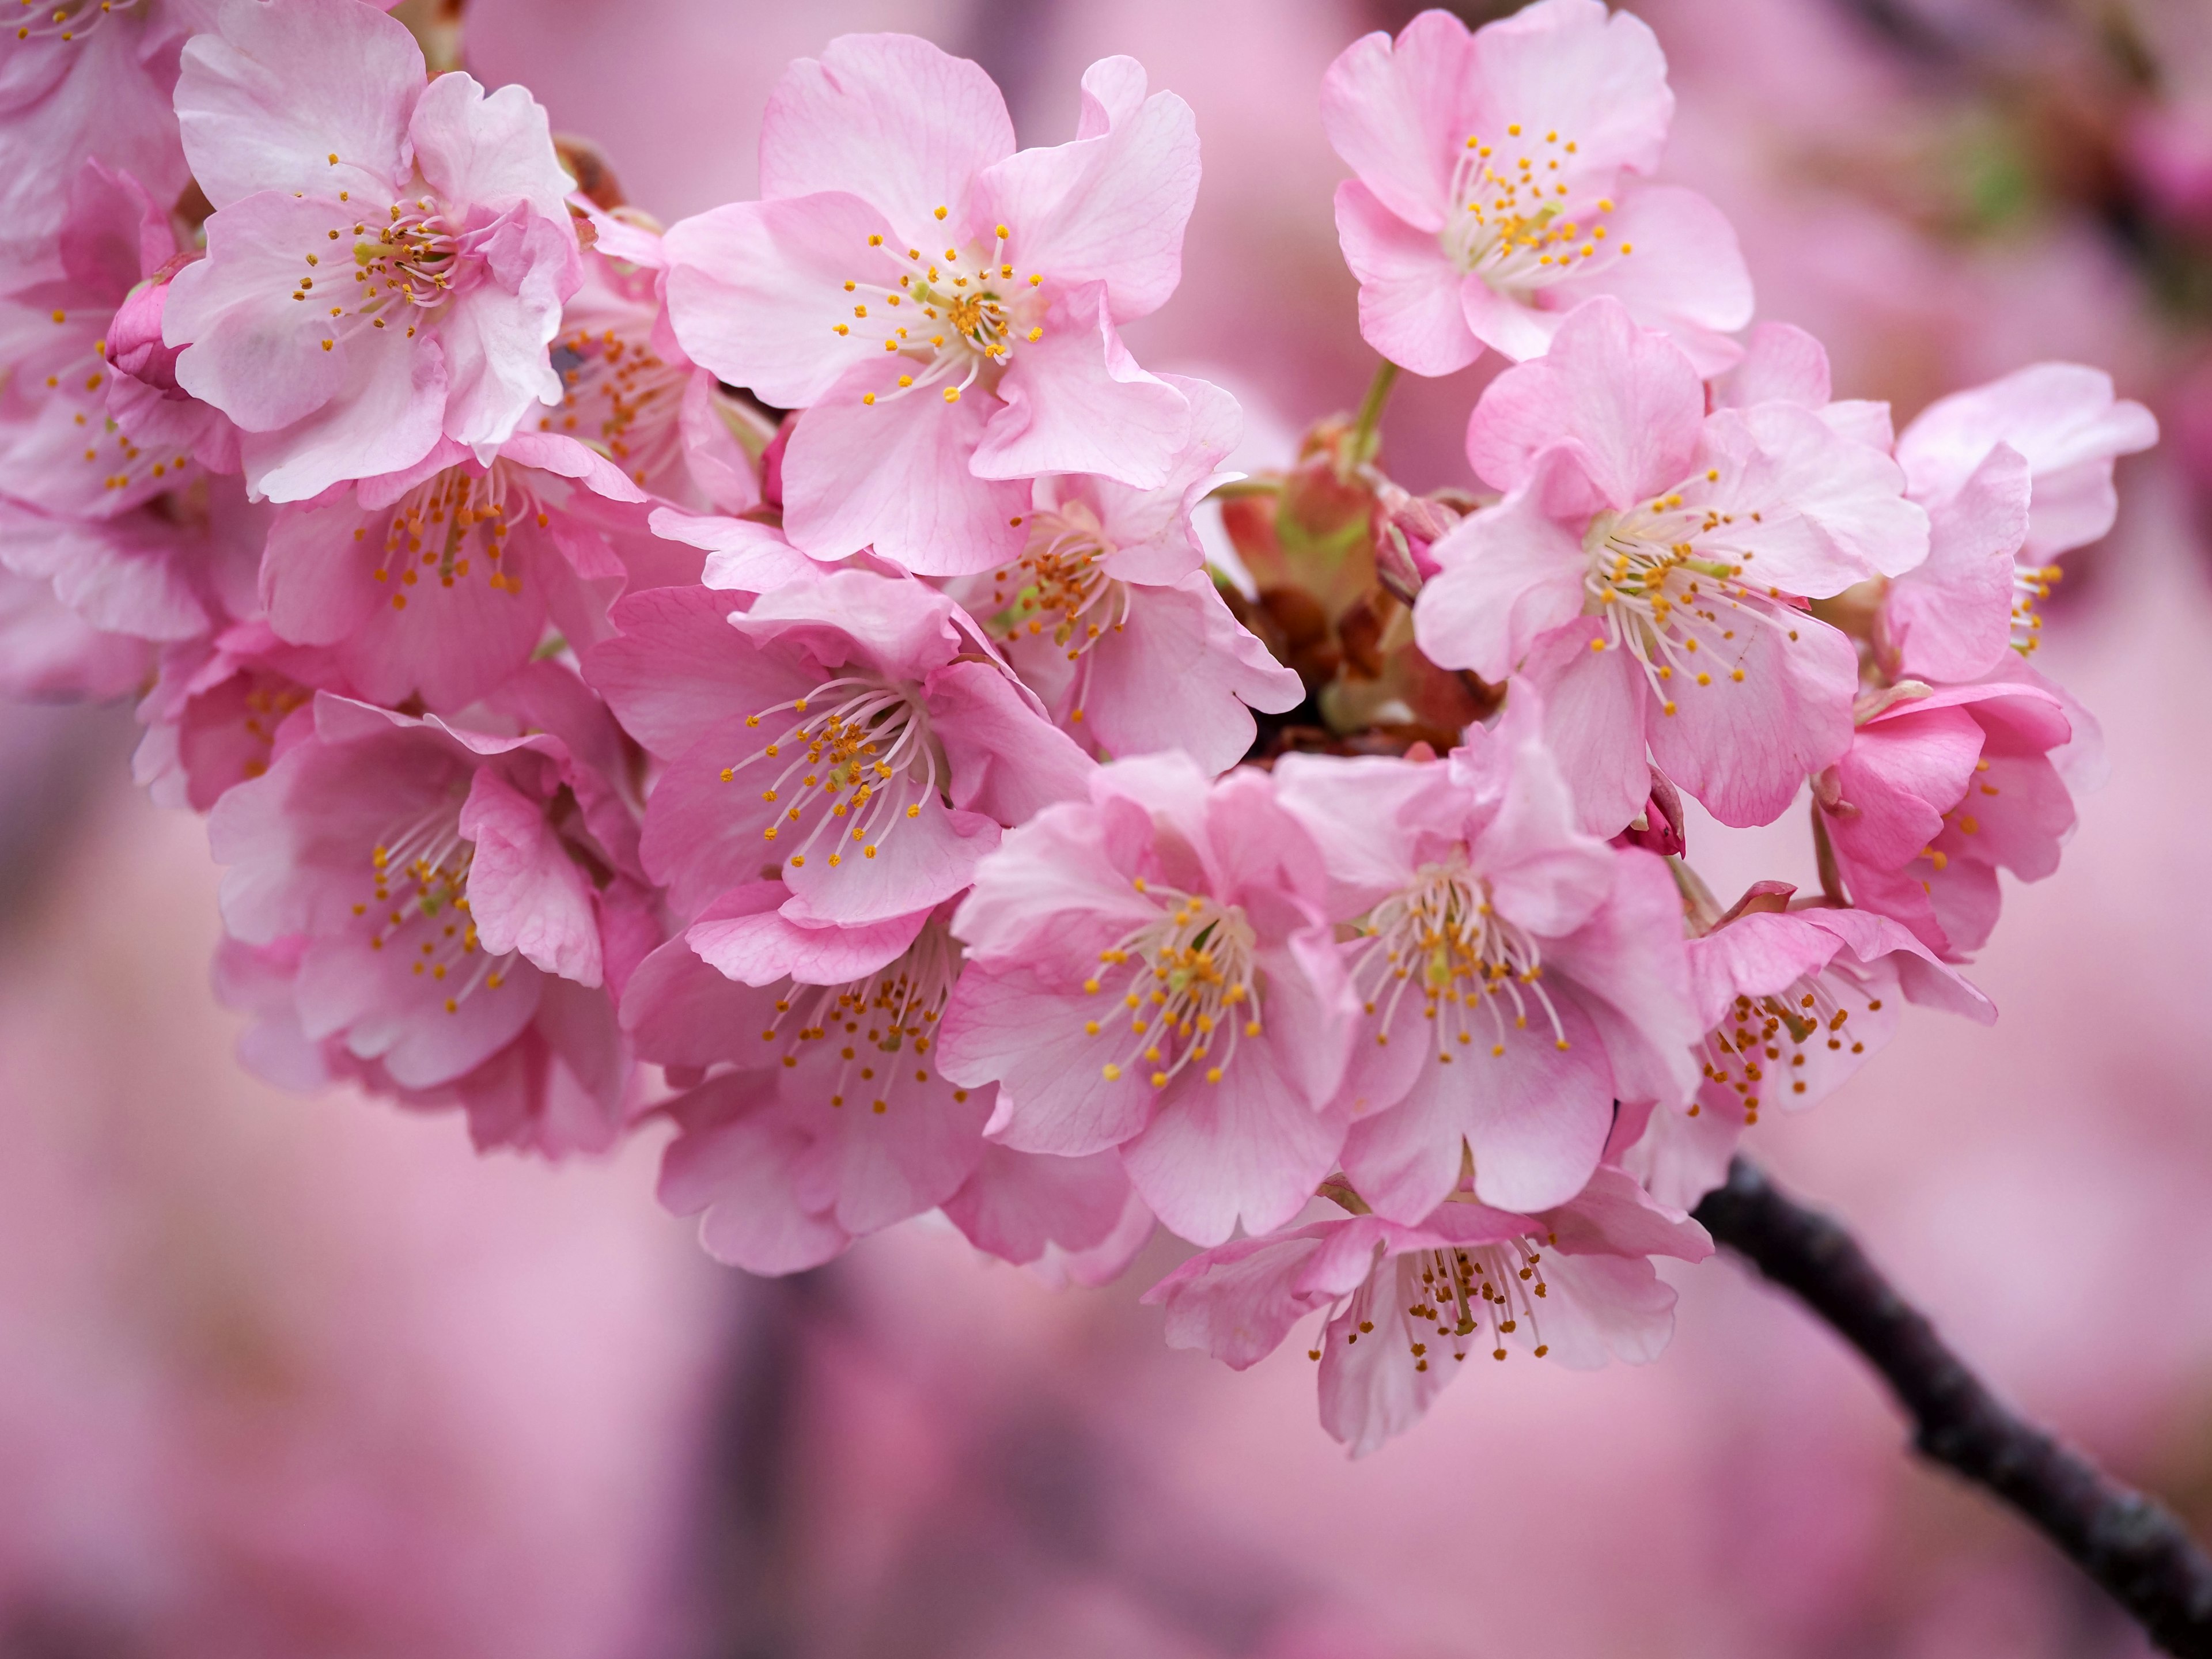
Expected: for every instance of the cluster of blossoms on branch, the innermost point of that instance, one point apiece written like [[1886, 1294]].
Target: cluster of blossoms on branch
[[762, 677]]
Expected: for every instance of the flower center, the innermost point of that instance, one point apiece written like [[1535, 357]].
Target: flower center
[[1474, 971], [70, 20], [420, 894], [622, 397], [954, 320], [1667, 580], [876, 1025], [1808, 1013], [866, 763], [1468, 1292], [2031, 584], [431, 526], [1509, 214], [1189, 988], [406, 261]]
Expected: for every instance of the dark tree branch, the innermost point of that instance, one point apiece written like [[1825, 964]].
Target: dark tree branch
[[2132, 1545]]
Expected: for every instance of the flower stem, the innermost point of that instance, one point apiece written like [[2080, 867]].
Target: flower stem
[[2132, 1545], [1366, 441]]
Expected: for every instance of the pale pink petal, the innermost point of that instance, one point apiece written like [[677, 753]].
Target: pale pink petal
[[1813, 512], [496, 148], [1397, 113], [1951, 619], [275, 91], [1017, 1205], [526, 892], [887, 117], [736, 1169], [1109, 207], [1597, 78], [1007, 761], [1054, 1094], [756, 293], [1075, 401], [758, 944], [1512, 573], [1678, 268], [896, 475], [1595, 707], [1629, 403], [1409, 288], [1781, 363]]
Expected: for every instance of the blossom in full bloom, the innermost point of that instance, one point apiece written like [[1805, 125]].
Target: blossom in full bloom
[[439, 581], [1110, 616], [1501, 181], [1515, 976], [388, 255], [431, 896], [826, 1118], [2066, 429], [855, 736], [1794, 1001], [1151, 967], [1940, 788], [944, 308], [1574, 1284], [1649, 567]]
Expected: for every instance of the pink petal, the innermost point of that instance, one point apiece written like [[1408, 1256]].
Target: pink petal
[[493, 148], [886, 116], [1409, 289], [1511, 575], [1685, 276], [272, 91], [1951, 619], [1396, 112], [1016, 1204], [525, 893]]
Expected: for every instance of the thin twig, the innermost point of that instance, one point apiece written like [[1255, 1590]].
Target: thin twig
[[2130, 1545]]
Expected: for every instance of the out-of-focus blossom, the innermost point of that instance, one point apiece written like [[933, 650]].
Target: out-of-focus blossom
[[445, 913], [1575, 1283], [855, 735], [1110, 616], [1500, 186], [388, 257], [946, 309], [1517, 977], [1648, 569], [1152, 967]]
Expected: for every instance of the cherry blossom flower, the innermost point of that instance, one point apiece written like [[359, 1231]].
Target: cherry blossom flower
[[1501, 182], [1152, 967], [628, 391], [1516, 976], [224, 708], [1793, 1002], [1110, 616], [436, 896], [1648, 569], [432, 215], [1574, 1284], [2063, 429], [944, 308], [835, 1122], [856, 735], [1940, 788], [438, 583]]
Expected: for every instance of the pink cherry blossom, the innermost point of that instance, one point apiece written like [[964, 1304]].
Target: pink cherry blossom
[[835, 1122], [628, 391], [1940, 788], [946, 309], [2036, 446], [439, 581], [1648, 569], [452, 911], [856, 735], [1793, 1002], [1516, 976], [1574, 1284], [1110, 616], [222, 709], [1502, 181], [389, 254], [1152, 967]]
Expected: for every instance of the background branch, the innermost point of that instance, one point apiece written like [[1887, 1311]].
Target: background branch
[[2132, 1545]]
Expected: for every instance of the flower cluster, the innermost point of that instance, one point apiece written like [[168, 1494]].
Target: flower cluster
[[762, 680]]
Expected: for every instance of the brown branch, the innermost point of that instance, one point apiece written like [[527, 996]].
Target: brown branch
[[2132, 1545]]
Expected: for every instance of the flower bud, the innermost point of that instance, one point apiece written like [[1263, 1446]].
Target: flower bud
[[1658, 829], [134, 339], [1405, 527]]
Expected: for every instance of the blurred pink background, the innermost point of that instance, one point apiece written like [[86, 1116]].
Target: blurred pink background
[[302, 1377]]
